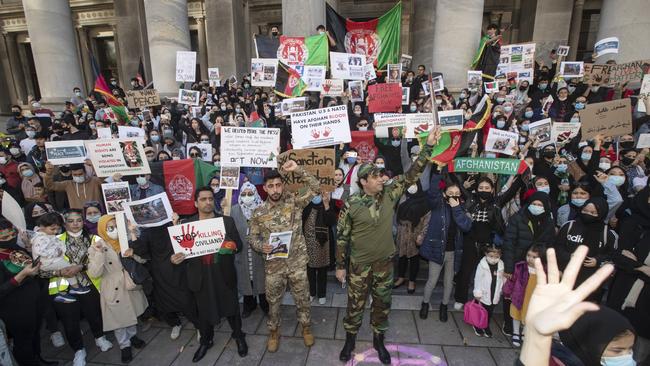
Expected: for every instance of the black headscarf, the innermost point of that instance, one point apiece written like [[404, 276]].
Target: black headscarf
[[539, 220], [641, 208], [414, 207], [593, 231], [31, 221]]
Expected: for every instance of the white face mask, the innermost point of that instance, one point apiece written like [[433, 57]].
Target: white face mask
[[112, 234], [78, 179], [412, 189], [141, 181], [3, 160], [247, 199], [492, 260]]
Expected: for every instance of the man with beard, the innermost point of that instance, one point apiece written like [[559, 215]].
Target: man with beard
[[281, 213], [212, 279]]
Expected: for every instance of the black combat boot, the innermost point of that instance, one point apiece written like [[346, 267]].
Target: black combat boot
[[424, 310], [443, 313], [348, 347], [382, 352]]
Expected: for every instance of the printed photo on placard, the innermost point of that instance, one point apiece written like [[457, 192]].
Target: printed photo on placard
[[394, 73], [437, 84], [149, 212], [65, 152], [563, 51], [229, 177], [281, 243], [572, 69], [406, 94], [426, 87], [115, 195], [356, 91], [503, 142], [451, 120], [189, 97]]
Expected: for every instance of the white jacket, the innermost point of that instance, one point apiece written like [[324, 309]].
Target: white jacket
[[483, 282]]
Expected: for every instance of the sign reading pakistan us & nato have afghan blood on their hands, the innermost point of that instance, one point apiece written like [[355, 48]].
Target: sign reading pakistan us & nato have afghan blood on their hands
[[320, 127], [198, 238]]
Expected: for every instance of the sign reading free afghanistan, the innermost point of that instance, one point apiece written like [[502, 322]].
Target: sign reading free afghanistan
[[320, 127], [250, 146], [485, 165], [198, 238]]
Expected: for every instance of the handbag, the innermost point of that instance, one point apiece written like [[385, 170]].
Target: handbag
[[136, 271], [475, 314]]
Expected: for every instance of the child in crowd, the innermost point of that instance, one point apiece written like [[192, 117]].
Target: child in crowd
[[488, 282], [519, 288], [51, 251]]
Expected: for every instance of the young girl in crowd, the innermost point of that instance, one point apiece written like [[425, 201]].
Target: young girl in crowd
[[488, 283]]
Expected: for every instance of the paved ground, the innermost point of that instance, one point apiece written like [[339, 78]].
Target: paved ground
[[412, 341]]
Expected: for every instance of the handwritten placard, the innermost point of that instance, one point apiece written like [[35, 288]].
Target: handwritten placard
[[317, 162], [142, 98], [609, 118]]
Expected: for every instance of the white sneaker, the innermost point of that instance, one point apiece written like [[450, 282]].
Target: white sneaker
[[79, 358], [322, 300], [198, 336], [57, 339], [176, 332], [311, 298], [103, 343], [458, 306]]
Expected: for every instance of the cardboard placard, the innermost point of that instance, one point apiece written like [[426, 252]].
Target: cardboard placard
[[332, 88], [314, 77], [250, 146], [264, 71], [229, 177], [350, 66], [189, 97], [318, 162], [386, 122], [502, 142], [451, 120], [612, 118], [142, 98], [606, 46], [417, 123]]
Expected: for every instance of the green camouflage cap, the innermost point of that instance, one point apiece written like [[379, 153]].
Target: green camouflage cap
[[367, 169]]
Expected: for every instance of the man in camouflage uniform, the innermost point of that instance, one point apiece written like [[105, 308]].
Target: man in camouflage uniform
[[365, 229], [282, 211]]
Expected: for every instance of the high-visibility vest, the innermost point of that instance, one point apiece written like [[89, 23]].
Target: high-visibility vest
[[60, 284]]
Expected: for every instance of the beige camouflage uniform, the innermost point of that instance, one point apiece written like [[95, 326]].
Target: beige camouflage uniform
[[285, 215]]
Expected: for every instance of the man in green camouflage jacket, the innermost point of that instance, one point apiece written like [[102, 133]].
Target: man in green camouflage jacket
[[365, 231], [282, 212]]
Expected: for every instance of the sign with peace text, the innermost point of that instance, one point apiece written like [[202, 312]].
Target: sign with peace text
[[250, 146], [318, 162], [612, 118], [198, 238], [142, 98]]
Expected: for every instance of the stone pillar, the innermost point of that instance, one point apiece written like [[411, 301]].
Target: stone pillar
[[552, 21], [87, 68], [131, 39], [225, 33], [168, 31], [457, 33], [122, 79], [516, 22], [630, 22], [301, 17], [49, 23], [574, 31], [203, 48], [17, 87], [424, 18]]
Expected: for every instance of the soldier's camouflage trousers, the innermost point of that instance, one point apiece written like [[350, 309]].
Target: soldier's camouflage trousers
[[378, 278], [276, 283]]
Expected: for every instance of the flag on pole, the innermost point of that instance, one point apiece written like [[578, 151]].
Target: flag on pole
[[102, 89], [288, 82], [142, 80]]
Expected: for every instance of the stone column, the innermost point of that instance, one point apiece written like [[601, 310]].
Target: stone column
[[49, 23], [87, 68], [203, 48], [629, 21], [424, 18], [552, 21], [131, 39], [301, 17], [168, 31], [457, 33], [16, 71], [574, 31], [225, 33], [122, 79]]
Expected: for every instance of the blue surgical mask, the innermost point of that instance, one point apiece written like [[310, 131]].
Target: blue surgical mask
[[93, 218], [585, 156], [625, 360], [501, 123], [535, 210], [501, 100], [579, 106], [28, 173], [528, 114], [317, 200], [490, 155], [413, 108], [155, 138], [545, 189], [578, 202], [575, 120], [616, 180], [352, 160], [561, 168], [542, 86], [463, 95], [525, 127], [395, 143]]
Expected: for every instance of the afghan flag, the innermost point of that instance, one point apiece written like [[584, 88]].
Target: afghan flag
[[313, 50], [142, 80], [181, 178], [288, 82], [102, 88], [454, 144], [266, 46], [364, 143], [378, 39]]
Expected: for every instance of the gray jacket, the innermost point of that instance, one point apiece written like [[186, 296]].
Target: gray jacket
[[242, 259]]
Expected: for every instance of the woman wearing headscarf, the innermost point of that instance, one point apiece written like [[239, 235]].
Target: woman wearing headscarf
[[92, 213], [589, 228], [249, 263], [586, 161], [29, 180], [35, 210], [585, 189], [121, 300]]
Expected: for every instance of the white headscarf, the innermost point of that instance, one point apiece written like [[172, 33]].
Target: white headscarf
[[248, 208]]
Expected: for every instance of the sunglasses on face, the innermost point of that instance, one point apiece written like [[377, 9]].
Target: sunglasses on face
[[195, 155]]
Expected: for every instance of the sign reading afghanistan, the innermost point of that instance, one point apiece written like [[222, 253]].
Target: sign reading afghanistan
[[485, 165]]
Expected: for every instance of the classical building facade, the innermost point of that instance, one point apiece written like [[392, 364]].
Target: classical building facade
[[47, 46]]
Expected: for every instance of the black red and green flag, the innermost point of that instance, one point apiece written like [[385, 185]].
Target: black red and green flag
[[455, 144], [142, 80], [102, 89], [378, 39], [288, 82], [181, 178]]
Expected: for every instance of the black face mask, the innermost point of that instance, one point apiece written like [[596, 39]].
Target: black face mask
[[627, 160], [606, 145], [484, 195], [16, 114], [626, 144], [274, 33], [11, 243], [523, 88], [548, 154], [588, 219]]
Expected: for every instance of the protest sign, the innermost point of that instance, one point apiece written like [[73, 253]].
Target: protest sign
[[65, 152], [503, 142], [426, 87], [645, 86], [229, 177], [186, 66], [631, 71], [596, 74], [606, 46], [124, 156], [12, 211], [350, 66], [264, 71], [369, 72], [609, 118], [451, 120], [572, 69], [198, 238], [563, 51], [644, 141], [314, 76], [318, 162], [142, 98], [394, 73], [474, 79], [364, 143], [384, 98], [206, 151], [281, 243], [115, 194], [109, 114], [149, 212], [437, 84], [542, 130], [292, 105], [213, 76], [189, 97], [562, 132], [104, 133], [406, 95], [120, 225], [491, 87], [487, 165], [130, 132], [386, 121], [417, 123], [548, 102], [250, 146], [406, 61], [356, 91], [517, 61], [320, 127], [332, 88]]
